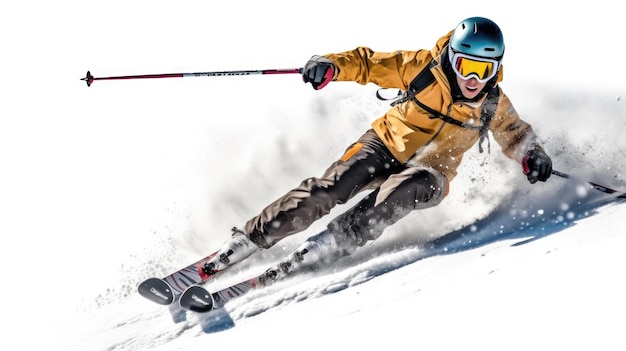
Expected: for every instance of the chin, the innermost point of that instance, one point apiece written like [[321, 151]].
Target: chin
[[470, 94]]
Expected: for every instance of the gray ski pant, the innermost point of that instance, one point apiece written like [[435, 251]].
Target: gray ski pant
[[367, 165]]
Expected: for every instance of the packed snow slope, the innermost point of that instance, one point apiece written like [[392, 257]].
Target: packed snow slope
[[550, 280]]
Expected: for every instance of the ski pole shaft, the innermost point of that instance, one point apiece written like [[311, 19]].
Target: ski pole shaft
[[90, 78], [596, 186]]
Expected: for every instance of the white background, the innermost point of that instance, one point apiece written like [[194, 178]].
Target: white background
[[104, 186]]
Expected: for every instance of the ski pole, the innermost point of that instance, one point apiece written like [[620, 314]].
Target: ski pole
[[90, 79], [596, 186]]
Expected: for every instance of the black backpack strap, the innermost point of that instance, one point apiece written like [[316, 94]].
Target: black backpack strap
[[486, 114], [426, 78], [445, 118], [421, 81]]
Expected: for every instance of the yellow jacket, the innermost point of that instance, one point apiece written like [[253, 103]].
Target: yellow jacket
[[406, 129]]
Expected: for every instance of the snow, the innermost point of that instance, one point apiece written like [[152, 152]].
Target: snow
[[105, 186]]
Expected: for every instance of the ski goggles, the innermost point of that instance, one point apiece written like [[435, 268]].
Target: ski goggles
[[466, 67]]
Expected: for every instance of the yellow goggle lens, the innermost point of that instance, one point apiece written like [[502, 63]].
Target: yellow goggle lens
[[466, 66]]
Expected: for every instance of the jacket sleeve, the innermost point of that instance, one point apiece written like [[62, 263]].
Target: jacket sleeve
[[515, 136], [385, 69]]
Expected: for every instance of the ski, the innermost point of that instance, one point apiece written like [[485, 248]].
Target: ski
[[198, 299], [167, 290]]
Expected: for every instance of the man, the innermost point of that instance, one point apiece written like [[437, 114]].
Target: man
[[410, 154]]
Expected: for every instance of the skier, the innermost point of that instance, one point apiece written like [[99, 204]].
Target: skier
[[409, 155]]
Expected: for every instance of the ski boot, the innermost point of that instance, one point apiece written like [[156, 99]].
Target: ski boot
[[234, 250], [318, 249]]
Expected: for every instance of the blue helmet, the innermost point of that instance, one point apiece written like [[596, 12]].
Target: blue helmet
[[478, 36]]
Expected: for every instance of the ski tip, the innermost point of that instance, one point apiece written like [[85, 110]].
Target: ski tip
[[88, 78], [196, 299], [157, 291]]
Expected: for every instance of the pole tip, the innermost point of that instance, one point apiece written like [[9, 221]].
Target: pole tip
[[88, 78]]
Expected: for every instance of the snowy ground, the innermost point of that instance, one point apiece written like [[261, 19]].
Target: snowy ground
[[560, 292], [104, 186]]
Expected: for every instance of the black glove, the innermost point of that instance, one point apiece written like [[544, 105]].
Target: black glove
[[537, 166], [318, 71]]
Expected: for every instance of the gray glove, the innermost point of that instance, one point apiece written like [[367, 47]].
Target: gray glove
[[318, 71], [537, 166]]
